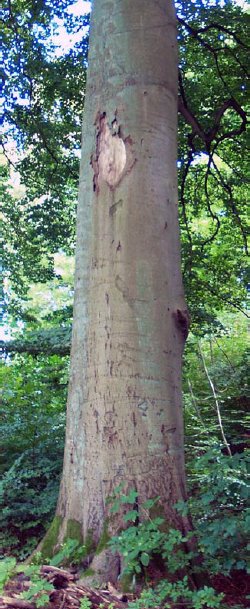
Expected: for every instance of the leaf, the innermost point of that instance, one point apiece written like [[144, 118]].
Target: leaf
[[130, 498], [149, 503], [130, 516], [42, 600], [145, 559]]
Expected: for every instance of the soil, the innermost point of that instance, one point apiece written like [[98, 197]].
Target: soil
[[236, 588]]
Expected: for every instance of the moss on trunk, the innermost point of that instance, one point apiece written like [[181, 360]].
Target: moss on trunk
[[50, 540], [104, 539], [89, 543], [74, 531]]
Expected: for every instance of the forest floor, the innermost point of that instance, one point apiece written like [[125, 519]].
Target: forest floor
[[68, 594]]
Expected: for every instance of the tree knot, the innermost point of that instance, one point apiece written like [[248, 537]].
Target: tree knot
[[182, 320]]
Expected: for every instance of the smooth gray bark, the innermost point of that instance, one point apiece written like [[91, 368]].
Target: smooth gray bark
[[124, 416]]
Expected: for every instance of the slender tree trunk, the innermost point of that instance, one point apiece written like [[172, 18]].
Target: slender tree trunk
[[124, 417]]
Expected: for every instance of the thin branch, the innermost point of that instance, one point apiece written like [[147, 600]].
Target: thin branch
[[229, 103], [228, 301], [224, 29], [196, 35], [5, 153], [225, 355], [216, 401], [238, 61], [212, 214]]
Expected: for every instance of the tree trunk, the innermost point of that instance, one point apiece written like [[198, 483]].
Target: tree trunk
[[124, 417]]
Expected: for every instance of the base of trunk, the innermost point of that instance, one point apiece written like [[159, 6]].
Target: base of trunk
[[105, 567]]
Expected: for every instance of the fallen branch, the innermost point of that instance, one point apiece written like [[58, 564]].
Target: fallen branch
[[67, 593], [15, 603], [56, 570]]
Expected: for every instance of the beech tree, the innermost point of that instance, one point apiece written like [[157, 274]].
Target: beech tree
[[124, 415], [212, 41]]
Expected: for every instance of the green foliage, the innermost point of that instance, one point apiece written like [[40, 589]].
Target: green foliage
[[43, 100], [212, 181], [33, 421], [38, 588], [50, 341], [38, 591], [218, 504], [118, 498], [226, 356], [165, 593], [71, 553], [139, 544], [33, 403], [85, 603], [7, 568], [28, 494], [141, 541]]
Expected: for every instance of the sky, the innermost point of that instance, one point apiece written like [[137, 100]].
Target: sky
[[64, 40]]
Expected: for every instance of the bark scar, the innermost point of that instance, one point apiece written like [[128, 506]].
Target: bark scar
[[110, 156]]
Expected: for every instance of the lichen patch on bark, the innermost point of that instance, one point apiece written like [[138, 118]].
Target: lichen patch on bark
[[110, 158]]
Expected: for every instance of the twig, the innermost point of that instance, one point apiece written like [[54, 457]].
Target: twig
[[63, 601]]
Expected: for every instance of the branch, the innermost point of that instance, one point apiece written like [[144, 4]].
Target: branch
[[212, 214], [208, 136], [16, 603], [224, 29], [190, 118], [196, 35], [229, 103], [5, 153]]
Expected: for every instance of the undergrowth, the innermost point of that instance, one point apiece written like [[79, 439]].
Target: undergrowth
[[28, 495], [221, 518], [221, 522]]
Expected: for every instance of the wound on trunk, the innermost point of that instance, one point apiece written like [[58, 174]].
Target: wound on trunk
[[110, 157]]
